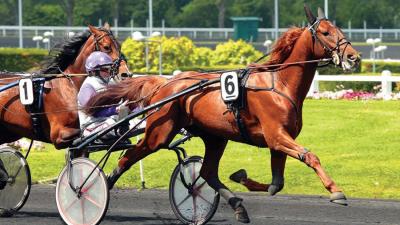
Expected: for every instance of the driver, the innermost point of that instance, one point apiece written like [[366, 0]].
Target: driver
[[98, 66]]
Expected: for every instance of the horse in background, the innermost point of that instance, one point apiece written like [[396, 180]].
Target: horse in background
[[272, 115], [59, 121]]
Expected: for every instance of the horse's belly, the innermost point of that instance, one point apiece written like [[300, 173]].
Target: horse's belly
[[211, 115]]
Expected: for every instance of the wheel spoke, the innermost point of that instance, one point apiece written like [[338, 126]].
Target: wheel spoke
[[92, 201], [71, 204], [201, 185], [87, 187], [193, 173], [200, 196], [82, 179], [19, 170], [83, 211], [186, 198], [194, 209]]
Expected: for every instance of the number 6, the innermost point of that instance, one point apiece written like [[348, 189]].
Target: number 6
[[229, 86]]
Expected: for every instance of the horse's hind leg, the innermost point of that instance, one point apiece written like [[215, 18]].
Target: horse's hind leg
[[209, 171], [161, 128], [278, 161]]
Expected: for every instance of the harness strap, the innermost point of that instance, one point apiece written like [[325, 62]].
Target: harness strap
[[36, 109], [242, 127], [239, 104]]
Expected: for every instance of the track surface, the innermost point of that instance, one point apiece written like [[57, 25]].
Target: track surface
[[151, 207]]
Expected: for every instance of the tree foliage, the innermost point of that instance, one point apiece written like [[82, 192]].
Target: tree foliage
[[182, 53], [197, 13]]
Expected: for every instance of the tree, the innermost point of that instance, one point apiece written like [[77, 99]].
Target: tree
[[9, 12], [68, 6], [90, 11], [221, 12], [39, 14], [115, 7], [199, 13], [258, 8]]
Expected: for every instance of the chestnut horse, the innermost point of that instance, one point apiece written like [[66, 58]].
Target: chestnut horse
[[272, 115], [59, 120]]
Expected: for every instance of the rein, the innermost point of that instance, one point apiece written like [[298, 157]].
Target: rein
[[337, 58], [121, 56]]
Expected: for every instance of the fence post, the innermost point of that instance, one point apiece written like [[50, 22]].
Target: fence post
[[386, 85], [314, 88]]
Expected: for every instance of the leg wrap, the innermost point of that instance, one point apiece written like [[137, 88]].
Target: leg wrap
[[216, 184], [235, 202], [302, 155]]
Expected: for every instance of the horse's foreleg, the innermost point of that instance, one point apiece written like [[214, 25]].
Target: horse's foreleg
[[278, 162], [283, 142], [209, 171]]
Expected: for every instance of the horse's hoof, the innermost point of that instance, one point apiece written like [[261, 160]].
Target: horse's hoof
[[241, 214], [273, 189], [338, 198], [6, 213], [238, 175]]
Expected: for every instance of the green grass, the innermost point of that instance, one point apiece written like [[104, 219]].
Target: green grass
[[356, 141]]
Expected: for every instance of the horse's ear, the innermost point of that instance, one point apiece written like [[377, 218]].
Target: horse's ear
[[107, 26], [321, 14], [93, 29], [310, 17]]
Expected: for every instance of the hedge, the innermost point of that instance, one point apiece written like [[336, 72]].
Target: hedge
[[20, 60], [181, 52], [380, 66]]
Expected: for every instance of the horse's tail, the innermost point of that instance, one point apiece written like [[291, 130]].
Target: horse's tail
[[138, 91]]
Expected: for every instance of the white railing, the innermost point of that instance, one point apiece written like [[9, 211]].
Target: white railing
[[386, 80]]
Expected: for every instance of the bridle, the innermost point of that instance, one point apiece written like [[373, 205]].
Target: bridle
[[121, 57], [335, 53]]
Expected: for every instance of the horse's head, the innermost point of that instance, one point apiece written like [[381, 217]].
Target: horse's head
[[102, 39], [329, 41]]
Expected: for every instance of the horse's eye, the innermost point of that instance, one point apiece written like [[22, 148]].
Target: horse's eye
[[326, 33]]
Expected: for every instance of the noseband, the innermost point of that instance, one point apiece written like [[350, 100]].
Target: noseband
[[337, 56]]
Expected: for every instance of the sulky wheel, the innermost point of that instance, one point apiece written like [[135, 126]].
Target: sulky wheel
[[15, 181], [87, 205], [192, 199]]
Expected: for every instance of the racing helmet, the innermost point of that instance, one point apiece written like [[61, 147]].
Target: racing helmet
[[97, 60]]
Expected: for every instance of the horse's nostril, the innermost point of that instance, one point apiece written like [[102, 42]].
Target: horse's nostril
[[352, 57]]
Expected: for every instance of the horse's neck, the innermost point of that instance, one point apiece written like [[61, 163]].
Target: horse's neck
[[78, 67], [77, 81], [298, 78]]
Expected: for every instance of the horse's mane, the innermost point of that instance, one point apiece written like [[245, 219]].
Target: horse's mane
[[137, 90], [64, 54], [282, 48]]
